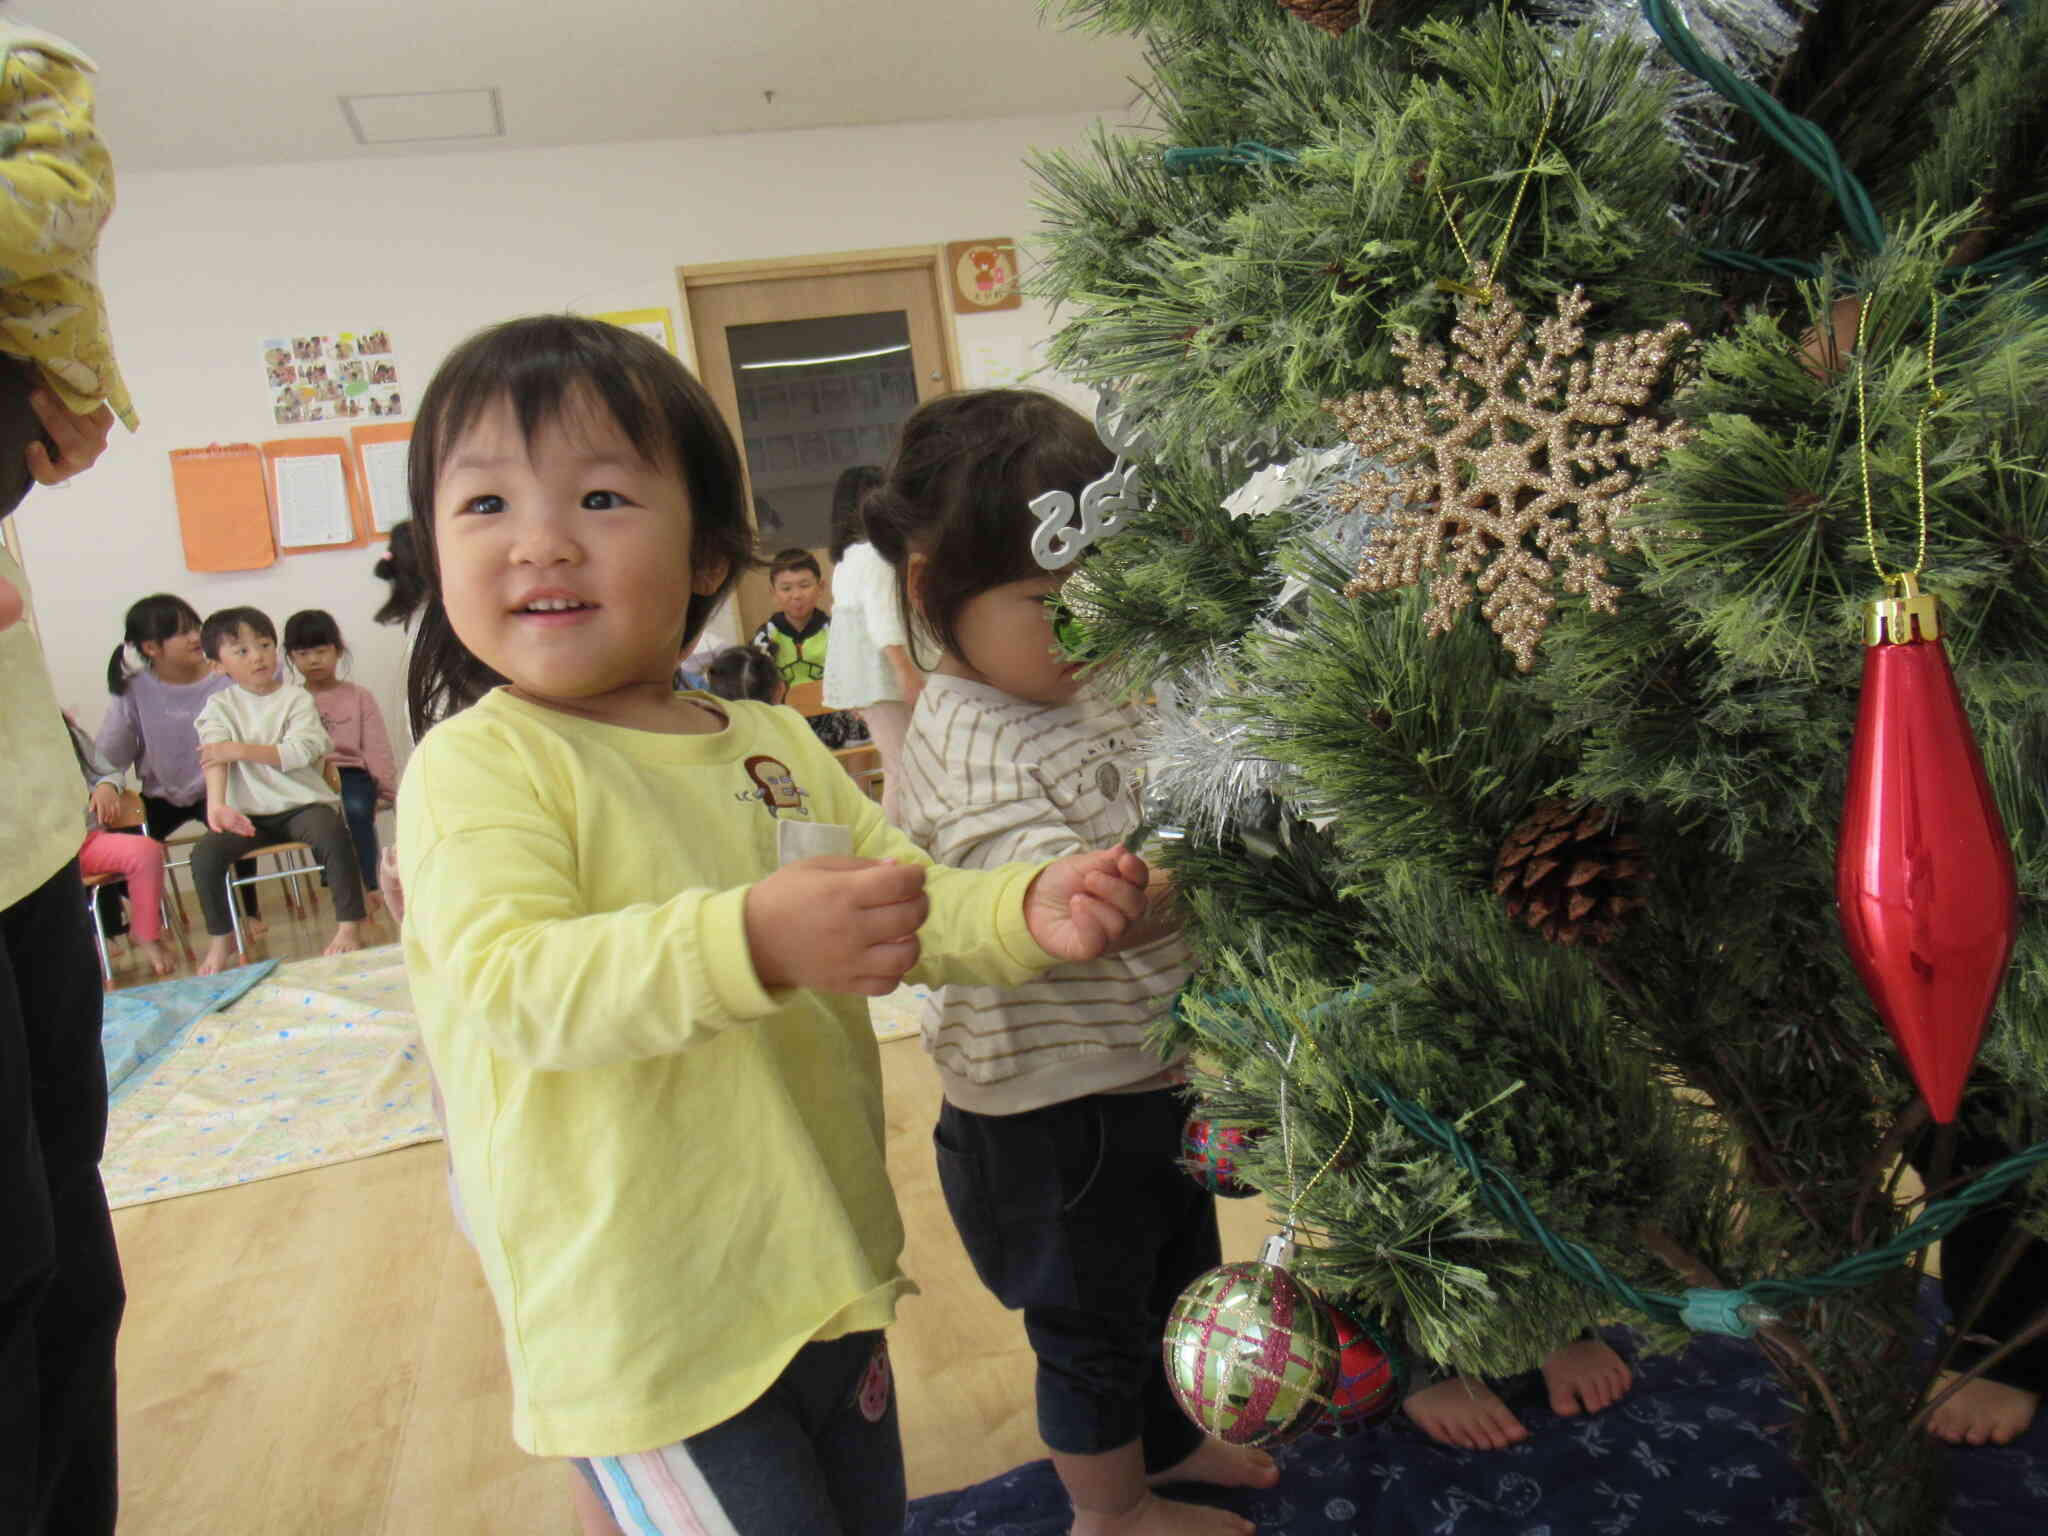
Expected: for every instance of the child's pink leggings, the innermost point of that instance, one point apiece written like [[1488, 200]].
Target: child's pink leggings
[[139, 861]]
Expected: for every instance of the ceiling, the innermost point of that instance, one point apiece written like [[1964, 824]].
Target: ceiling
[[186, 84]]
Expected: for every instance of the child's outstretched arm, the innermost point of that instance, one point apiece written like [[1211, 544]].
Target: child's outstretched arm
[[1035, 899], [497, 920]]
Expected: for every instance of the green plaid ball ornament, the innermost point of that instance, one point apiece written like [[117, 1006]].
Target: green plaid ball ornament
[[1251, 1353]]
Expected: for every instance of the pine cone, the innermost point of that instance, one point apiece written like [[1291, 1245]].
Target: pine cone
[[1335, 17], [1570, 874]]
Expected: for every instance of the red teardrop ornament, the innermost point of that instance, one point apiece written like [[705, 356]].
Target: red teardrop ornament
[[1924, 873]]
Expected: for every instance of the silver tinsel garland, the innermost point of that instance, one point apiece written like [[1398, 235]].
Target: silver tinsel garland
[[1752, 37], [1206, 775]]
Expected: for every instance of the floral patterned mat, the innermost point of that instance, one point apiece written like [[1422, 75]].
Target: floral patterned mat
[[318, 1063], [896, 1016], [141, 1027]]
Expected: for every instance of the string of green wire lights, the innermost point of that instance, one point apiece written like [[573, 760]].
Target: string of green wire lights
[[1804, 140], [1738, 1312]]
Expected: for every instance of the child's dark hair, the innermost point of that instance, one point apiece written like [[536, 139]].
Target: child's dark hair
[[19, 426], [150, 621], [309, 628], [741, 672], [401, 568], [959, 490], [543, 366], [788, 560], [223, 624], [848, 492]]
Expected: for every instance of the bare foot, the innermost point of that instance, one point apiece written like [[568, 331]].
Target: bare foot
[[1584, 1377], [1982, 1412], [1222, 1465], [347, 936], [1465, 1411], [158, 954], [254, 927], [219, 954], [1154, 1516]]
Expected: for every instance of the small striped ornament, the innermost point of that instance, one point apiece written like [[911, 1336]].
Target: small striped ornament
[[1210, 1153], [1251, 1353], [1367, 1386]]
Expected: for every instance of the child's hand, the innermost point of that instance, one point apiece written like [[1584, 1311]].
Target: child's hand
[[222, 817], [837, 924], [218, 754], [389, 885], [1079, 906], [106, 803]]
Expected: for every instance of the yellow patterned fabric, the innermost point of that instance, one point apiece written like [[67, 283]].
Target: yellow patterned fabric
[[318, 1063], [59, 186]]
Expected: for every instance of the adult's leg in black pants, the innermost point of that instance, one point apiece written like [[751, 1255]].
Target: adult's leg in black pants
[[160, 818], [61, 1295]]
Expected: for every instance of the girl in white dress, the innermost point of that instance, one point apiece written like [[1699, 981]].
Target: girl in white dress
[[868, 669]]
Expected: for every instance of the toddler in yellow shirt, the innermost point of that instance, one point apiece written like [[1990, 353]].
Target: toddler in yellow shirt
[[638, 923]]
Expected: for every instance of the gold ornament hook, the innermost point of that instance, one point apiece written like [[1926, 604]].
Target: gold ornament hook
[[1908, 615]]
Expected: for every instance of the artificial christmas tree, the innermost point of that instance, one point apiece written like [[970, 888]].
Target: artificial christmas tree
[[1832, 220]]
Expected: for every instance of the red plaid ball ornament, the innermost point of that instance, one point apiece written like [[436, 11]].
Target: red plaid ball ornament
[[1251, 1353], [1212, 1155], [1368, 1386]]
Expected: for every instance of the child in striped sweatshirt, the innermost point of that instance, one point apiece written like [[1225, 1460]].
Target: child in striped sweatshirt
[[1059, 1138]]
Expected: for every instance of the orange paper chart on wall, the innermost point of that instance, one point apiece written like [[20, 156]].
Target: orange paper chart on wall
[[223, 507], [382, 452], [317, 497]]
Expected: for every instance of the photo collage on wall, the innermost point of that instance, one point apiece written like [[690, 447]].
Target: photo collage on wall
[[347, 376]]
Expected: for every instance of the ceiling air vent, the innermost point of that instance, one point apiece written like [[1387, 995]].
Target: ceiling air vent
[[424, 117]]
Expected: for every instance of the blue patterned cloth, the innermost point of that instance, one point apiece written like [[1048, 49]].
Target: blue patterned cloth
[[139, 1027], [1688, 1450]]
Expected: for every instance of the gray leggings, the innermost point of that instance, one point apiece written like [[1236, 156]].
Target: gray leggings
[[818, 1453], [317, 825]]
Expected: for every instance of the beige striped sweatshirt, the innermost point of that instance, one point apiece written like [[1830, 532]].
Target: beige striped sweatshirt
[[988, 779]]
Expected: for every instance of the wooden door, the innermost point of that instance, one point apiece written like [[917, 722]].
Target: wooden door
[[815, 363]]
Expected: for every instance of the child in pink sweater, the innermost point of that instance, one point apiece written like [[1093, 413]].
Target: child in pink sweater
[[362, 747]]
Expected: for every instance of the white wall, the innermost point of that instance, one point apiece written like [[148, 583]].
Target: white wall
[[200, 267]]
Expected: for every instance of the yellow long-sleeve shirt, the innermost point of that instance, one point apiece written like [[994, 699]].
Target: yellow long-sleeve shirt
[[675, 1177]]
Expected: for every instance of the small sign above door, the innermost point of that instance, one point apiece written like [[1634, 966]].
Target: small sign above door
[[984, 274]]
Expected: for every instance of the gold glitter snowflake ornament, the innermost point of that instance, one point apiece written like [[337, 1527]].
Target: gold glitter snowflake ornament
[[1514, 463]]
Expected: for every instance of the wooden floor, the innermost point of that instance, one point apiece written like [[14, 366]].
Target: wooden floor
[[316, 1355]]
